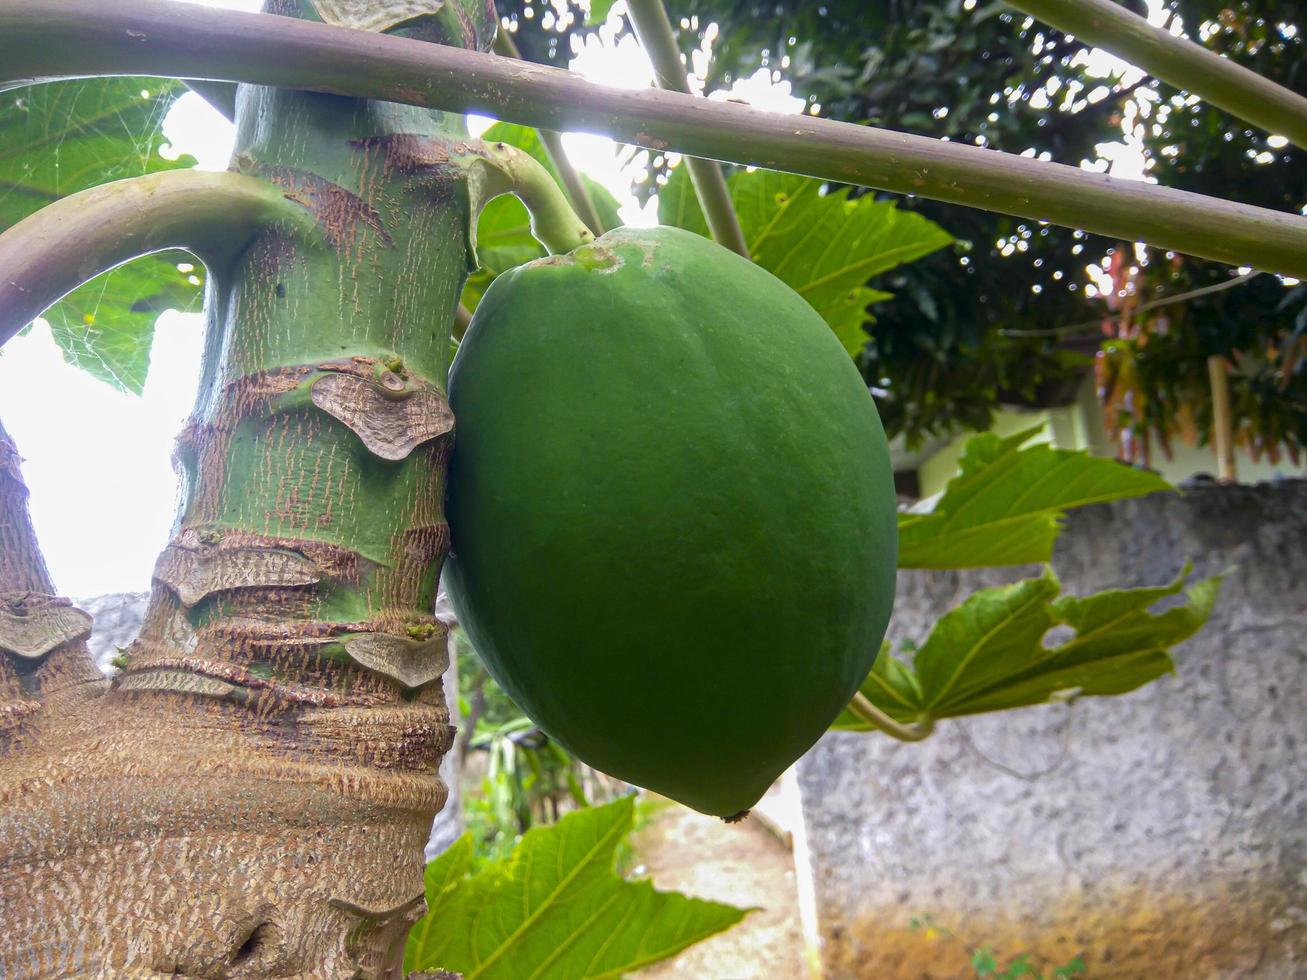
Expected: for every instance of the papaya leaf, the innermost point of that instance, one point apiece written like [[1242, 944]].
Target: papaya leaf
[[106, 326], [987, 654], [63, 137], [556, 908], [504, 229], [1006, 504], [442, 875], [824, 245], [598, 12]]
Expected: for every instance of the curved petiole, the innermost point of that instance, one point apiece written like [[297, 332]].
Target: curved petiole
[[52, 252], [918, 731]]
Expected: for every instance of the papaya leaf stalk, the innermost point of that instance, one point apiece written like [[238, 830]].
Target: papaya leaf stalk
[[649, 18], [1179, 62], [63, 38], [918, 731], [56, 249], [575, 187], [220, 95]]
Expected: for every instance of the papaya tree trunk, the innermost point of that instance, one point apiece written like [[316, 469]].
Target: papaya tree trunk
[[251, 793]]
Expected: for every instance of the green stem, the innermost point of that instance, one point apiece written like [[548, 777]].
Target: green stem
[[649, 18], [462, 320], [220, 95], [877, 719], [73, 38], [52, 252], [1179, 62], [501, 168], [575, 187]]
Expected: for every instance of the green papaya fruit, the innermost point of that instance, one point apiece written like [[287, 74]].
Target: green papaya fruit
[[672, 512]]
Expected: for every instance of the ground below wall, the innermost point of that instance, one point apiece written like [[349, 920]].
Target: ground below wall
[[1160, 834]]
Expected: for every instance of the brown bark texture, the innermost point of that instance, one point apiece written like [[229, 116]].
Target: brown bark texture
[[251, 793]]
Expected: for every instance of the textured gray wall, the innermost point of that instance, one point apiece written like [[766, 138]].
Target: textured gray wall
[[1162, 834]]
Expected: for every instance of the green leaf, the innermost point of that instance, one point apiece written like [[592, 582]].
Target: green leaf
[[992, 634], [1073, 967], [504, 237], [63, 137], [555, 908], [987, 654], [598, 12], [106, 327], [1006, 504], [823, 245], [443, 874]]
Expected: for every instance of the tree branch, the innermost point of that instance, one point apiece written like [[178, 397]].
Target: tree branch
[[55, 250], [1177, 61], [67, 38], [654, 30]]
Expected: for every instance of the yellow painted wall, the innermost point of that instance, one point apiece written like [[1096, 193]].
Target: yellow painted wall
[[1080, 426]]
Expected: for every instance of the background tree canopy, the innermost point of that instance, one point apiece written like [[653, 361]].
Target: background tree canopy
[[1004, 315]]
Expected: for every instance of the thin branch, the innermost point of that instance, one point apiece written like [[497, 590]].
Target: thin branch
[[220, 95], [879, 720], [76, 38], [575, 187], [1095, 325], [1179, 62], [52, 252], [1218, 376], [654, 30]]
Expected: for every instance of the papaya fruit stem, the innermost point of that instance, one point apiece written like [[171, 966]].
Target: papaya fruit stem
[[879, 720], [501, 168], [573, 184]]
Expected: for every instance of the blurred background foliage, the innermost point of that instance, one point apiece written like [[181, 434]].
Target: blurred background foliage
[[1009, 314]]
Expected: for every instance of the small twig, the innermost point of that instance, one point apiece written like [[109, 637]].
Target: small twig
[[1095, 325], [470, 722], [501, 168], [873, 716], [575, 187], [649, 18]]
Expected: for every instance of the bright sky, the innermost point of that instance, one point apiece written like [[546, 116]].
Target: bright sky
[[97, 462]]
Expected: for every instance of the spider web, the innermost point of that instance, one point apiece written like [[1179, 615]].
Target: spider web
[[63, 137]]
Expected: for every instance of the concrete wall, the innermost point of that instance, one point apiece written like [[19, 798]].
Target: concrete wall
[[1161, 834]]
